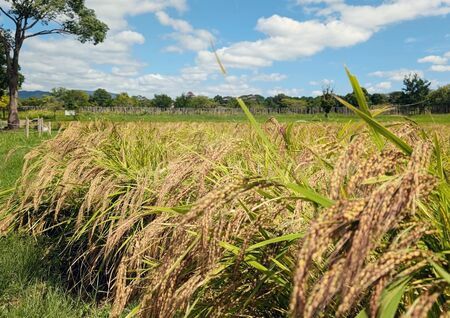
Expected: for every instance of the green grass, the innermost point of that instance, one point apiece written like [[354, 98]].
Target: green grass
[[13, 147], [438, 119], [29, 286]]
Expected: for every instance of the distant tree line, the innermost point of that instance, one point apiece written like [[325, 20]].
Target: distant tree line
[[416, 94]]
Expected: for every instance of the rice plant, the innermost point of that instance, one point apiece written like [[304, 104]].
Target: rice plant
[[235, 220]]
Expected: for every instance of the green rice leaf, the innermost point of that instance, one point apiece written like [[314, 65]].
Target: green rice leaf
[[438, 153], [284, 238], [400, 143], [310, 195], [362, 314], [391, 297], [441, 272], [364, 106]]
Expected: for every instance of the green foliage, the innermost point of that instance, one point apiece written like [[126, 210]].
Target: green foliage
[[123, 100], [162, 101], [182, 101], [377, 99], [440, 97], [294, 103], [142, 101], [71, 16], [327, 101], [101, 97], [416, 90], [71, 99]]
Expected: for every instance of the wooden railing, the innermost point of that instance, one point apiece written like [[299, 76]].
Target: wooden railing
[[394, 110]]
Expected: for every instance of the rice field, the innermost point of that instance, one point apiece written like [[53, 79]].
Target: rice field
[[234, 219], [244, 220]]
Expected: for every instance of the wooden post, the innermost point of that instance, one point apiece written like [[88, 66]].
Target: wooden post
[[27, 128], [39, 127], [49, 128]]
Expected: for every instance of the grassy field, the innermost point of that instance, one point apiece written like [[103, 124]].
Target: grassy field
[[439, 119], [13, 147]]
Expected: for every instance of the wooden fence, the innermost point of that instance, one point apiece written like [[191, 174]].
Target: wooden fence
[[394, 110]]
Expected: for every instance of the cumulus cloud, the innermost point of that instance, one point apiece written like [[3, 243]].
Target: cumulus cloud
[[433, 59], [324, 82], [285, 91], [396, 75], [115, 13], [440, 68], [185, 35], [338, 25], [273, 77], [381, 87], [439, 63]]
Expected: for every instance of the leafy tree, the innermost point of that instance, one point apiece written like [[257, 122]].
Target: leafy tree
[[4, 101], [182, 101], [74, 99], [327, 101], [219, 100], [231, 102], [31, 18], [379, 99], [278, 100], [123, 100], [201, 102], [101, 97], [52, 103], [294, 103], [440, 98], [397, 98], [142, 101], [162, 101], [416, 90], [32, 101]]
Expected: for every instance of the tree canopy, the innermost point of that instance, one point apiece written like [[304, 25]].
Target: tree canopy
[[31, 18]]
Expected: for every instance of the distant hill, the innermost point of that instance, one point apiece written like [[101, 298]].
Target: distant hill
[[39, 94], [28, 94]]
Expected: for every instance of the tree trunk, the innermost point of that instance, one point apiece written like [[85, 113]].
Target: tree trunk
[[13, 76], [13, 117]]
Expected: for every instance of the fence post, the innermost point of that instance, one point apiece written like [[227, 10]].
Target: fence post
[[40, 127], [27, 128]]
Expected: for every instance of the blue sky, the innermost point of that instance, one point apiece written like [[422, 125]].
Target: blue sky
[[267, 46]]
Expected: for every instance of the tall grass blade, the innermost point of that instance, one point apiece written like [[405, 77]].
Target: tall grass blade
[[379, 127]]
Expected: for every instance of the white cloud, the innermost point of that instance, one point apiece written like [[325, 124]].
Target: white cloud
[[324, 82], [285, 91], [381, 87], [338, 25], [114, 13], [440, 63], [396, 75], [316, 93], [273, 77], [185, 35], [440, 68], [433, 59]]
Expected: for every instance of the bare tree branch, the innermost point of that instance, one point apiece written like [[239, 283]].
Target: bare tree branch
[[8, 15], [46, 32]]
